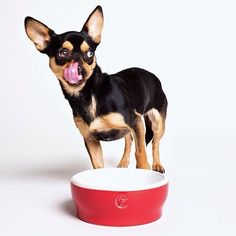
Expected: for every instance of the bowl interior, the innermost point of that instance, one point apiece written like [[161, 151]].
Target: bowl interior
[[119, 179]]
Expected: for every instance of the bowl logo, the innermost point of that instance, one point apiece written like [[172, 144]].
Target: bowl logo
[[121, 201]]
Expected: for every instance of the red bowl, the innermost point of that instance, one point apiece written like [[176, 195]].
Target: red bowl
[[119, 196]]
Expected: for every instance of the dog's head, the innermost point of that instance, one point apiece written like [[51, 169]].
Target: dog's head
[[71, 54]]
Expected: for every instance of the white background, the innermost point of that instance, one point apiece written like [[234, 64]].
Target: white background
[[190, 46]]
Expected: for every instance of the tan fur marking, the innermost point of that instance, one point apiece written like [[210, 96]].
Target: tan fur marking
[[92, 107], [105, 123], [56, 69], [158, 128], [84, 46], [67, 45], [155, 118], [102, 123]]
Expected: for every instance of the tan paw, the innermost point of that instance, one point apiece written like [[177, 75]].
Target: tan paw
[[124, 163], [158, 167]]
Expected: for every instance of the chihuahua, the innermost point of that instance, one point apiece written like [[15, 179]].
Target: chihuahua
[[129, 104]]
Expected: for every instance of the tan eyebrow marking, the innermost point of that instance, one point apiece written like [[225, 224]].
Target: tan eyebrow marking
[[84, 46], [67, 45]]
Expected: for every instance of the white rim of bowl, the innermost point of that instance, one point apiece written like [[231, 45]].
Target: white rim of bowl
[[76, 182]]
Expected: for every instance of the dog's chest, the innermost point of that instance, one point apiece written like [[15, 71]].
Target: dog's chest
[[110, 126], [107, 127]]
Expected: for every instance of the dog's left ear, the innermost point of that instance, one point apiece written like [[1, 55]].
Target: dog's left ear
[[94, 24], [38, 33]]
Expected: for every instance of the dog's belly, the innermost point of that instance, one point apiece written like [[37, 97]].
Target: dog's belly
[[110, 135]]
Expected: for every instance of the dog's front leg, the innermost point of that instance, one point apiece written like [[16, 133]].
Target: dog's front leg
[[95, 152], [140, 147], [124, 162]]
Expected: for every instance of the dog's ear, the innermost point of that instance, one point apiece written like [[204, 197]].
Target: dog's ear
[[38, 33], [94, 24]]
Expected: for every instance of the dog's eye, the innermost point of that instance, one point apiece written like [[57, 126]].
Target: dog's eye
[[89, 54], [63, 53]]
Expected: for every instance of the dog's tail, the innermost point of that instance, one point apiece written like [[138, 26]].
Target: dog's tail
[[149, 133]]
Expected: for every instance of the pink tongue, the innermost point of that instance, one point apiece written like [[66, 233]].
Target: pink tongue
[[71, 73]]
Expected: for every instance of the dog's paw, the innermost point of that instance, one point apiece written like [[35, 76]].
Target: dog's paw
[[158, 167], [124, 163]]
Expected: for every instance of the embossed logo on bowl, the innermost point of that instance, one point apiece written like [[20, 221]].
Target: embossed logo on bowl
[[121, 201]]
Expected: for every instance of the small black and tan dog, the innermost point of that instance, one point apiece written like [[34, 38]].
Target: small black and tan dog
[[105, 107]]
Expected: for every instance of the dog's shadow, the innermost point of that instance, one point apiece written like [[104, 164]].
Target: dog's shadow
[[61, 172]]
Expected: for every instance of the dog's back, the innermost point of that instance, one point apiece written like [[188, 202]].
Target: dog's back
[[144, 89]]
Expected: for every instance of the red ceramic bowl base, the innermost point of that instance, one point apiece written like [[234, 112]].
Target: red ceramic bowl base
[[112, 208], [118, 222]]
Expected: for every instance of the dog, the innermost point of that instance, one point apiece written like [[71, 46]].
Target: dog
[[129, 104]]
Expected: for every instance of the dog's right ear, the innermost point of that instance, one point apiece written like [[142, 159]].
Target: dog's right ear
[[94, 24], [38, 33]]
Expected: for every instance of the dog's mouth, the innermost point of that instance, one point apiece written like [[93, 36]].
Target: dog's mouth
[[73, 74]]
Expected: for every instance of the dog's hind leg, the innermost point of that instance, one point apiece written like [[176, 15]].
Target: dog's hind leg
[[124, 162], [140, 147], [158, 128]]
